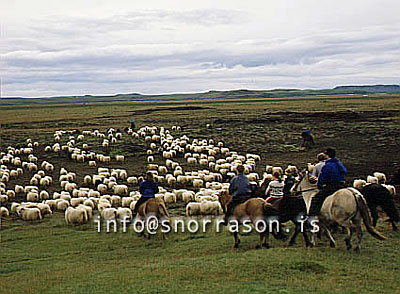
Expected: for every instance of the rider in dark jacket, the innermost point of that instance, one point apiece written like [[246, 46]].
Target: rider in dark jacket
[[148, 188], [239, 189], [330, 180]]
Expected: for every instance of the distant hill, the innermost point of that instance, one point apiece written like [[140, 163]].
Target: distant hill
[[370, 89], [233, 94]]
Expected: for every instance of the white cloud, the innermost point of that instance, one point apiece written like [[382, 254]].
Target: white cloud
[[186, 50]]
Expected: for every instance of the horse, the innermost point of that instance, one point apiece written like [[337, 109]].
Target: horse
[[154, 207], [346, 207], [377, 195], [254, 210], [293, 208]]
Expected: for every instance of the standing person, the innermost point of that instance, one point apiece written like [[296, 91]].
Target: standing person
[[318, 167], [239, 189], [148, 188], [308, 139], [330, 180], [275, 188]]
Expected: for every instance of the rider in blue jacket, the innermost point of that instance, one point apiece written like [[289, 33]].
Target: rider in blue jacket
[[330, 180], [148, 188]]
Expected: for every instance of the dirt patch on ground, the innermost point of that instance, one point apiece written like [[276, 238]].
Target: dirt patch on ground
[[184, 108]]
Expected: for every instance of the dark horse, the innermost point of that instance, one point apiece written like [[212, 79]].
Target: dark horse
[[292, 208], [377, 195]]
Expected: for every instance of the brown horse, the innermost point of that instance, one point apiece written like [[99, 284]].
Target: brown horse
[[253, 210], [154, 207]]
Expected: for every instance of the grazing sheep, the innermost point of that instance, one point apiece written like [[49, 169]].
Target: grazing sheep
[[62, 204], [32, 196], [109, 213], [10, 194], [359, 184], [192, 209], [88, 211], [52, 204], [381, 177], [44, 209], [44, 195], [19, 189], [391, 189], [132, 180], [126, 201], [210, 208], [102, 188], [132, 205], [116, 201], [372, 180], [30, 213], [198, 183], [188, 196], [103, 205], [119, 158], [169, 197], [75, 216], [4, 212], [121, 190], [92, 163], [76, 201], [124, 213], [89, 202]]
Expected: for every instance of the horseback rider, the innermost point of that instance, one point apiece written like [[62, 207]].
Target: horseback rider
[[318, 167], [239, 189], [290, 180], [308, 139], [275, 188], [148, 188], [330, 180]]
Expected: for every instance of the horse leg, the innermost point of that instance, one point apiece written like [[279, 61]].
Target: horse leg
[[328, 234], [296, 232], [260, 239], [237, 240], [359, 235], [374, 215], [305, 235], [266, 237], [350, 227], [394, 226]]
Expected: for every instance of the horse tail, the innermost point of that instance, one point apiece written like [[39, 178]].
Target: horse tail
[[363, 208]]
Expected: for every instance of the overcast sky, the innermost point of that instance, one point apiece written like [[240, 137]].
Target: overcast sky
[[75, 47]]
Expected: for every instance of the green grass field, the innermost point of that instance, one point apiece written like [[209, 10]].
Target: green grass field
[[51, 257]]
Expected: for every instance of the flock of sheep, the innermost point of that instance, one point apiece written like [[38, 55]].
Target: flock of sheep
[[200, 177], [110, 191]]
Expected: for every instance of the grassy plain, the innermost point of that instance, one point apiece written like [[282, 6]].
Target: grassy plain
[[49, 257]]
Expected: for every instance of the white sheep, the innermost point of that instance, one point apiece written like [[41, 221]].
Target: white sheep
[[132, 180], [119, 158], [4, 212], [358, 184], [210, 208], [192, 209], [28, 213], [75, 216], [62, 204], [121, 190], [381, 177], [372, 180], [109, 213], [169, 197], [124, 213]]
